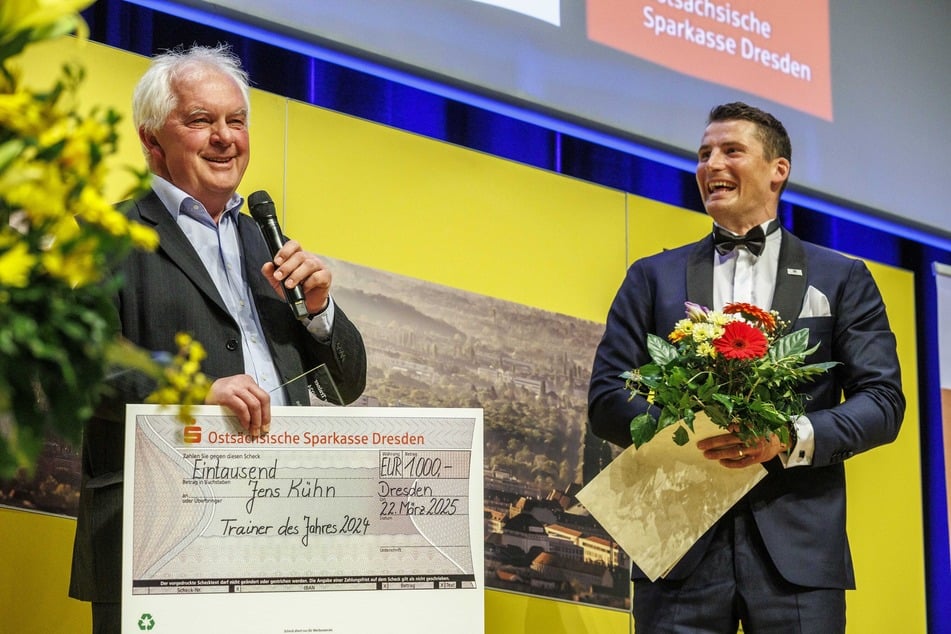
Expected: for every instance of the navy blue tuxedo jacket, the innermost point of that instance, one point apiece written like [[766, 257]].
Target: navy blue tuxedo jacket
[[164, 293], [800, 512]]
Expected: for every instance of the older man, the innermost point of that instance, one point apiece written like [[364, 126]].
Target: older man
[[213, 277]]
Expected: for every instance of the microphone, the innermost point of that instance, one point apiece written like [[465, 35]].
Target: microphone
[[262, 210]]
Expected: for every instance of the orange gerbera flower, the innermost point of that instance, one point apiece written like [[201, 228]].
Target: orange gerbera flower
[[754, 313], [741, 341]]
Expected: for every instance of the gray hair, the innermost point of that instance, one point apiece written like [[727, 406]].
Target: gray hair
[[154, 99]]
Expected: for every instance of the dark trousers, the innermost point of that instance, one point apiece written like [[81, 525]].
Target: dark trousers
[[736, 583], [106, 618]]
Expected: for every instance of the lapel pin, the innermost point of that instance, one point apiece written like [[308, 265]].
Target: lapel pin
[[794, 272]]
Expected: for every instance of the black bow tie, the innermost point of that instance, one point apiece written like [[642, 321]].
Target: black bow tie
[[754, 240]]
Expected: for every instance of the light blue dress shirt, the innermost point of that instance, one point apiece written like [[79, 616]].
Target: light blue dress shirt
[[219, 249]]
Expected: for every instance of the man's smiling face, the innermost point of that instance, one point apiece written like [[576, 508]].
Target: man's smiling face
[[203, 147], [739, 186]]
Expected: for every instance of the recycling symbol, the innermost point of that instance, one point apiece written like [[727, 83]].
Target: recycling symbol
[[146, 622]]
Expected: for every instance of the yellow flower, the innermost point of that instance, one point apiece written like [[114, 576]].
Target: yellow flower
[[182, 383], [65, 229], [163, 396], [35, 187], [706, 332], [46, 18], [15, 266], [115, 222], [57, 130], [77, 152], [144, 238], [21, 112], [682, 330], [77, 267]]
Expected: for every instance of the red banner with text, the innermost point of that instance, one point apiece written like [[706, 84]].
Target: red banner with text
[[777, 50]]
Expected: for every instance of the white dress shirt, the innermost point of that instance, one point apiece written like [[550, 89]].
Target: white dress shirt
[[740, 276]]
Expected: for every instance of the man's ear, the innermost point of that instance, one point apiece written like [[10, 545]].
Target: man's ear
[[149, 140], [781, 169]]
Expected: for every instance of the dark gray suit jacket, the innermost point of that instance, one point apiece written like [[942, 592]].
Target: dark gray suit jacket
[[164, 293], [800, 512]]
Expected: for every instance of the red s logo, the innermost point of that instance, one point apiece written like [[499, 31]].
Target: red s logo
[[192, 434]]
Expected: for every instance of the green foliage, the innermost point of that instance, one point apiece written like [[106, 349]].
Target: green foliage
[[60, 242]]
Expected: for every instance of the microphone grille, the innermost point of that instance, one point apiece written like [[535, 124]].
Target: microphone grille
[[261, 206]]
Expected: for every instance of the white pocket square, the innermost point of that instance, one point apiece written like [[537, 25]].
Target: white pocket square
[[815, 304]]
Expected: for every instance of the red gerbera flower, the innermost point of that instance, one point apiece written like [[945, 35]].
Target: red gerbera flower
[[741, 341], [754, 313]]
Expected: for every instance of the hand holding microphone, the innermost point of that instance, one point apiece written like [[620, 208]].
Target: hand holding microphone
[[308, 278]]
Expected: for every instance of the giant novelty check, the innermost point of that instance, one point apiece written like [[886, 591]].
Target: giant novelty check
[[342, 520]]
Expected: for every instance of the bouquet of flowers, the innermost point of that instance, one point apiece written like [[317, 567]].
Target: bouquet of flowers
[[735, 365], [60, 240]]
